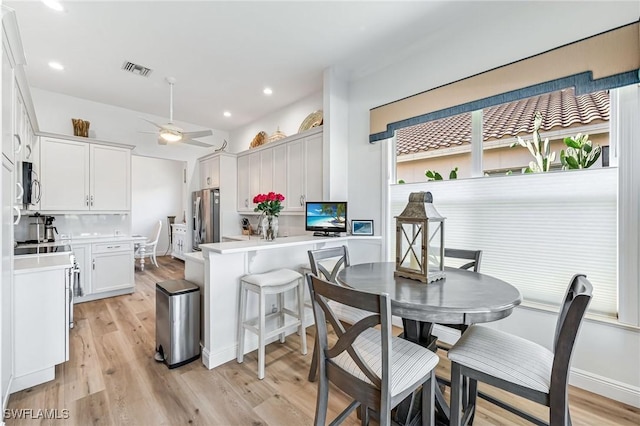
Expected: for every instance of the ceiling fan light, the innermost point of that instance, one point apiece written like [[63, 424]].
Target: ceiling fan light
[[170, 136]]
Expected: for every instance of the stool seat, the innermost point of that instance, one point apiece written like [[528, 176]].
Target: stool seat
[[272, 278], [276, 282]]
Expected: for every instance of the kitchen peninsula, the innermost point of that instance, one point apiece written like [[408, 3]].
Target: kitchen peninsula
[[225, 263]]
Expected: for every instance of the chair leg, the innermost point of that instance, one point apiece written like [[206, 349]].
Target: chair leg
[[364, 415], [241, 329], [261, 331], [154, 259], [456, 395], [473, 396], [280, 307], [313, 371], [428, 401], [322, 400], [302, 329]]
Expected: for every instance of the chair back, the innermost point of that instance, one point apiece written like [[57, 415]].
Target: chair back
[[156, 233], [576, 300], [317, 258], [379, 305], [474, 255]]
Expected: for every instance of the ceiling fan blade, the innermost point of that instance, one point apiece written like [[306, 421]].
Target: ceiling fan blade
[[196, 143], [154, 132], [149, 121], [197, 134]]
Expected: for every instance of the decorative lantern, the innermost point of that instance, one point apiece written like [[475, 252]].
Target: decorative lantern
[[420, 240]]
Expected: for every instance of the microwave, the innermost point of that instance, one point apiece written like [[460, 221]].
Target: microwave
[[30, 184]]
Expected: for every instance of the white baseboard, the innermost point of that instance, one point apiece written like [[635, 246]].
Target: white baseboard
[[600, 385], [606, 387]]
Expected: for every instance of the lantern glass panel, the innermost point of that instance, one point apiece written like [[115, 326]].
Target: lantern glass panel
[[435, 247], [411, 251]]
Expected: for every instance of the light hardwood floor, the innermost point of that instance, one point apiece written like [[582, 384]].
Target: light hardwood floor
[[112, 379]]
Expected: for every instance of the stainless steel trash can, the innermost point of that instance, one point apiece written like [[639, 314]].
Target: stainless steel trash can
[[177, 322]]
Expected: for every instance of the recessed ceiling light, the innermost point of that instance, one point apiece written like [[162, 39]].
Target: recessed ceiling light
[[53, 4], [56, 65], [227, 114], [267, 91]]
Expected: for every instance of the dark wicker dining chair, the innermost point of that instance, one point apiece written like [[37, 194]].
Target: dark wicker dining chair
[[520, 366], [370, 365]]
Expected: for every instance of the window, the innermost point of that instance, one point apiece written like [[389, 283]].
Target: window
[[537, 230]]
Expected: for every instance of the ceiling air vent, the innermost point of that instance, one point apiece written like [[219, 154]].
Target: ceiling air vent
[[136, 69]]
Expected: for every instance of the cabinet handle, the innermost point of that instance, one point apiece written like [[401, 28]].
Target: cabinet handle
[[86, 201], [302, 200], [92, 201], [17, 221], [93, 264], [208, 180], [17, 136], [21, 190], [36, 186], [27, 149], [113, 247]]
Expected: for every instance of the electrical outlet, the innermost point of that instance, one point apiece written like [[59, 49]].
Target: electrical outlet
[[274, 309]]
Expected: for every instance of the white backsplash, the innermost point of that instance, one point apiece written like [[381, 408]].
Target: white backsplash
[[76, 225], [287, 225]]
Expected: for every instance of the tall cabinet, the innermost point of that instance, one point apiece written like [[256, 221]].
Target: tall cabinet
[[13, 79]]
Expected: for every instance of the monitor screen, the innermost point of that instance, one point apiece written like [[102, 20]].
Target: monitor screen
[[326, 218]]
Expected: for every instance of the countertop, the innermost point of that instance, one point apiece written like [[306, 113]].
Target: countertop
[[27, 264], [195, 256], [88, 239], [280, 242]]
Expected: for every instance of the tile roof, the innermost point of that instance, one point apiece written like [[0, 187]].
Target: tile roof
[[560, 109]]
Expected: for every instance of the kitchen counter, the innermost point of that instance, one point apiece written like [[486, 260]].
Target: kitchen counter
[[225, 263], [27, 264], [89, 239]]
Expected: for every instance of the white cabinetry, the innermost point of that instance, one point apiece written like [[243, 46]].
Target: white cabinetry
[[291, 166], [106, 269], [112, 267], [78, 176], [210, 173], [178, 236], [304, 172], [41, 325], [6, 291]]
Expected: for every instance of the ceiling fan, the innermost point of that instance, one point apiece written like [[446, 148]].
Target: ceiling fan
[[170, 133]]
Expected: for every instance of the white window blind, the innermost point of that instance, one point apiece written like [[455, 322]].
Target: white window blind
[[535, 231]]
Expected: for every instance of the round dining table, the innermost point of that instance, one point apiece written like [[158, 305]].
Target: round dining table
[[461, 298]]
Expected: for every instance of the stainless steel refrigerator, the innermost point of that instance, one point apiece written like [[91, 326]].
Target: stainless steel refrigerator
[[206, 217]]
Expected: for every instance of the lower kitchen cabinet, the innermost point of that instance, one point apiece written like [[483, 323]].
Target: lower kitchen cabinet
[[106, 269], [178, 234], [41, 325]]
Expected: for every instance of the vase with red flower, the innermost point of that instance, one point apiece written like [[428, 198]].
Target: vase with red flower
[[270, 205]]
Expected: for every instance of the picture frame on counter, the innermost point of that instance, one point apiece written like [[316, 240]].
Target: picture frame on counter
[[362, 227]]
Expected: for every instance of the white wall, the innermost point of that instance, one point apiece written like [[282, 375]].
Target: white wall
[[288, 119], [499, 33], [157, 190]]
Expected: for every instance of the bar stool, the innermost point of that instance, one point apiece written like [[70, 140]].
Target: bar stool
[[277, 282]]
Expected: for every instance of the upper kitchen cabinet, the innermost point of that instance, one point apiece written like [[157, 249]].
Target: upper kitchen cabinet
[[81, 176], [291, 166]]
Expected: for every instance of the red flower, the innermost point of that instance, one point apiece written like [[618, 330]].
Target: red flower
[[269, 204]]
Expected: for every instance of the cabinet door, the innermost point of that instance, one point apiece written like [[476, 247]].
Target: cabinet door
[[280, 171], [40, 340], [294, 200], [110, 178], [112, 271], [244, 202], [7, 107], [64, 175], [254, 177], [210, 173], [6, 290], [313, 168], [266, 171], [82, 252]]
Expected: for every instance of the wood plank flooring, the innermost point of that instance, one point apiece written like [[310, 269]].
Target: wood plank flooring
[[112, 378]]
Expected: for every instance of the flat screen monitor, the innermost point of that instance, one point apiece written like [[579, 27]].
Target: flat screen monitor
[[326, 218]]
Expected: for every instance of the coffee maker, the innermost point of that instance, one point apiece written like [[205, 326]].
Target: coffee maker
[[49, 229]]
